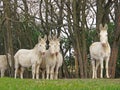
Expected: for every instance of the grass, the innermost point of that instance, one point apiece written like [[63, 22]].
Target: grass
[[62, 84]]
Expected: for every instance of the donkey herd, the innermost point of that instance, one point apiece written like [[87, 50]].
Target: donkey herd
[[49, 61]]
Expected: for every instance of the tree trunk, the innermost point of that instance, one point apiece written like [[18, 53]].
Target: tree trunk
[[76, 64], [113, 60], [72, 39], [84, 47], [77, 36], [116, 42], [99, 14], [60, 20], [9, 47]]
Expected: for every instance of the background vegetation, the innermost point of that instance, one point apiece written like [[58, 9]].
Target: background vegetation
[[75, 21]]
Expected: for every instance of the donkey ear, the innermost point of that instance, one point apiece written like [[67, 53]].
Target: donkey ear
[[45, 37], [106, 27], [39, 38], [101, 27]]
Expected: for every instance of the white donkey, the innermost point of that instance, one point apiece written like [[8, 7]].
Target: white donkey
[[50, 59], [55, 43], [99, 52], [33, 57], [59, 56], [4, 64]]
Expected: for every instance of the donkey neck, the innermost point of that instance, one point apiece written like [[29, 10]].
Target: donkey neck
[[36, 51], [105, 46]]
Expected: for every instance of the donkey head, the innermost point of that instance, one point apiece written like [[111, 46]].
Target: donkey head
[[42, 44], [57, 44], [103, 34], [51, 46]]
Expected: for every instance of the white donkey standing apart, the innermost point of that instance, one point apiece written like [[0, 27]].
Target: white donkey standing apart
[[59, 57], [33, 57], [99, 52]]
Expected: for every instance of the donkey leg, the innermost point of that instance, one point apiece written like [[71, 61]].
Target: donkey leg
[[47, 71], [52, 72], [2, 72], [16, 68], [43, 74], [56, 72], [33, 71], [21, 73], [101, 62], [97, 64], [106, 66], [16, 71], [93, 68], [37, 71]]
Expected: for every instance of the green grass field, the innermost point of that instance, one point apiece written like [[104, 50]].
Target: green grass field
[[62, 84]]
